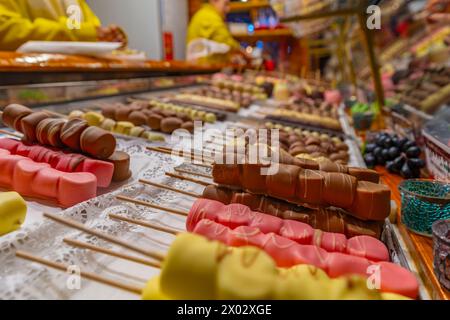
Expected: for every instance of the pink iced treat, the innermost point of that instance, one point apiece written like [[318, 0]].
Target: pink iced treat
[[297, 231], [4, 152], [9, 144], [24, 176], [369, 247], [61, 160], [101, 169], [332, 242], [7, 165], [23, 150], [76, 187], [339, 264], [398, 280], [46, 183]]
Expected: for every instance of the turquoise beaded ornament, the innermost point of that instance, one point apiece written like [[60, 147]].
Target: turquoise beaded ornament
[[423, 203]]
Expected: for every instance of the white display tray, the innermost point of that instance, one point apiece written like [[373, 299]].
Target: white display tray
[[70, 47]]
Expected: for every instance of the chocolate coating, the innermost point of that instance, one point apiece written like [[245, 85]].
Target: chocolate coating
[[169, 125], [12, 115], [121, 162], [71, 133], [138, 118], [97, 143], [154, 121], [29, 124]]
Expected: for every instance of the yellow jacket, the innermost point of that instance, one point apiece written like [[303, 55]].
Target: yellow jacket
[[207, 23], [24, 20]]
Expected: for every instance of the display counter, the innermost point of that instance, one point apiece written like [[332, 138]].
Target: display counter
[[17, 68]]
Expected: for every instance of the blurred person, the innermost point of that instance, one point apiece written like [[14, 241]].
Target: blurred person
[[47, 20], [208, 37]]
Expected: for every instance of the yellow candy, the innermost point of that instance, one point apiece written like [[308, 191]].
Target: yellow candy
[[108, 124], [301, 282], [94, 118], [76, 114], [123, 127], [190, 268], [248, 273], [352, 288], [152, 290], [13, 210]]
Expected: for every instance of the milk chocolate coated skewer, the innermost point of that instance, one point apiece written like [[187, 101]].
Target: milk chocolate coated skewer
[[364, 200], [328, 220]]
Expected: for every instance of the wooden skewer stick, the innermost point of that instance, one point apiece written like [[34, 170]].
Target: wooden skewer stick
[[178, 176], [151, 205], [192, 153], [12, 134], [87, 275], [207, 166], [112, 253], [193, 173], [182, 156], [144, 224], [104, 236], [162, 186]]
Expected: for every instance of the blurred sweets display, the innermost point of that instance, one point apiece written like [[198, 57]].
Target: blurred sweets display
[[425, 89], [158, 116], [311, 145], [241, 93], [207, 102], [121, 127]]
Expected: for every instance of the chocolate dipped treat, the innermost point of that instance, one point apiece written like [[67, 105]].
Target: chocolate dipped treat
[[97, 142], [121, 162]]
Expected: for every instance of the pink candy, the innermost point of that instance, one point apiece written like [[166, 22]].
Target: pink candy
[[236, 215], [66, 162], [288, 253], [39, 180]]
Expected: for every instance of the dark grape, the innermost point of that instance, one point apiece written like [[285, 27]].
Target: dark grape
[[413, 152], [385, 154], [406, 172], [370, 147], [390, 165], [370, 160], [408, 145], [377, 152], [401, 143], [398, 162], [387, 142], [393, 152], [380, 142], [416, 163]]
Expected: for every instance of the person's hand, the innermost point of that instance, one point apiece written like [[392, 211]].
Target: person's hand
[[112, 33]]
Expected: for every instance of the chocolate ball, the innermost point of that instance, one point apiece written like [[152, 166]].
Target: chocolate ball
[[168, 125], [138, 118]]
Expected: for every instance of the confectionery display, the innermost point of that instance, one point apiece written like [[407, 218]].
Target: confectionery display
[[295, 155]]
